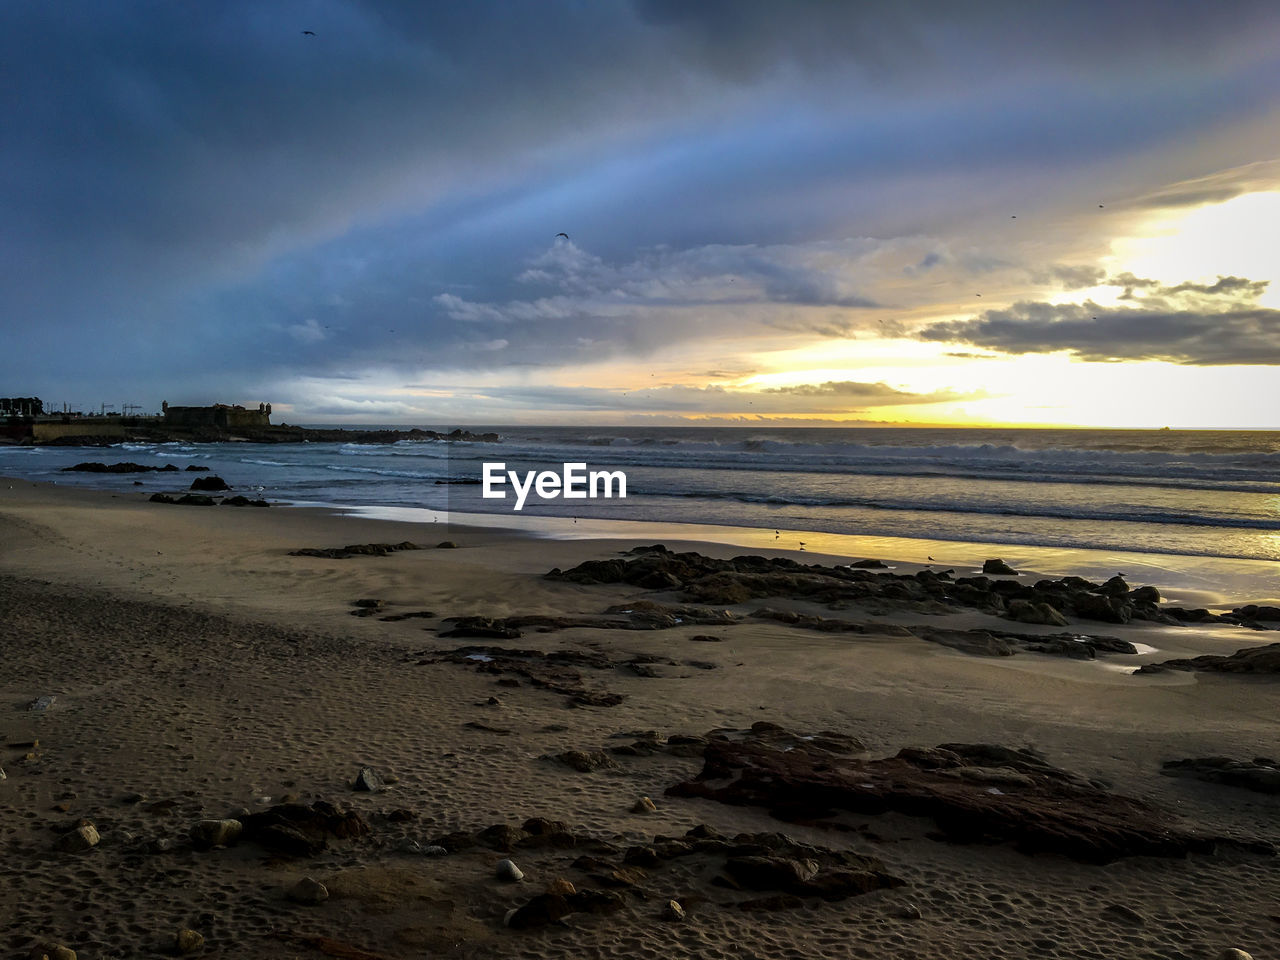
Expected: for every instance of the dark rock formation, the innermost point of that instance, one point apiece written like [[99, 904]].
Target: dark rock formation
[[1261, 774], [126, 467], [301, 830], [556, 671], [354, 550], [975, 793], [211, 482], [709, 580], [999, 567], [1253, 660]]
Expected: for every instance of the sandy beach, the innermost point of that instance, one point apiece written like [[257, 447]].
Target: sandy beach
[[198, 671]]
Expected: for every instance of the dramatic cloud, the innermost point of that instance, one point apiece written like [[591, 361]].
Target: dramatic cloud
[[198, 201], [1188, 323]]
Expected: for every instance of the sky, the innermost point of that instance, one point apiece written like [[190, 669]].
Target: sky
[[645, 211]]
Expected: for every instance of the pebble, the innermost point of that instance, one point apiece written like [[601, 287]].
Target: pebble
[[83, 837], [187, 941], [644, 805], [53, 951], [435, 851], [908, 911], [308, 890], [1232, 953], [41, 703], [509, 871], [369, 781], [562, 886], [3, 775], [673, 911]]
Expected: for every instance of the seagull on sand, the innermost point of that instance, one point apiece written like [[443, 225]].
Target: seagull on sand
[[801, 544]]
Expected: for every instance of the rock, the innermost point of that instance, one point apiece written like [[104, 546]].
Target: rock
[[187, 941], [998, 566], [1255, 660], [644, 805], [542, 910], [211, 482], [195, 500], [868, 565], [215, 833], [508, 871], [308, 891], [369, 781], [586, 762], [1115, 587], [907, 911], [561, 886], [978, 642], [673, 911], [161, 498], [83, 837], [1232, 953], [41, 703], [1024, 611], [706, 638], [1045, 810], [1144, 595], [3, 775], [1253, 611], [1261, 774], [502, 837], [1093, 606], [432, 850], [299, 830], [53, 951], [446, 545]]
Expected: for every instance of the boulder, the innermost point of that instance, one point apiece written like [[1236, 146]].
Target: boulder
[[308, 891], [998, 567], [84, 836], [206, 834], [211, 482], [1024, 611]]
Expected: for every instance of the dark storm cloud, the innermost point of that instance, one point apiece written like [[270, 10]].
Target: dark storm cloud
[[196, 194], [1202, 335]]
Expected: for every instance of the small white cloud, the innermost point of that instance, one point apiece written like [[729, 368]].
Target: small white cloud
[[307, 332]]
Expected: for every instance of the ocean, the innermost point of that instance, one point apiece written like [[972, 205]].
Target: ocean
[[1171, 492]]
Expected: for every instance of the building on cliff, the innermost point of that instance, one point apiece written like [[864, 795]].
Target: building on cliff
[[220, 416]]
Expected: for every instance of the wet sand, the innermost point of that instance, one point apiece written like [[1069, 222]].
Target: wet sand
[[200, 671]]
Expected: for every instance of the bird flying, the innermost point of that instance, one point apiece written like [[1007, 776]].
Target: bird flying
[[559, 235], [308, 33]]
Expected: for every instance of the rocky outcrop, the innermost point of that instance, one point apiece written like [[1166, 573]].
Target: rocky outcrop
[[127, 466], [354, 550], [1261, 774], [710, 580], [974, 793], [211, 482], [1251, 660]]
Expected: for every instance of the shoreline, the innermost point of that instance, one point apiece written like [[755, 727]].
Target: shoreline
[[1195, 580]]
